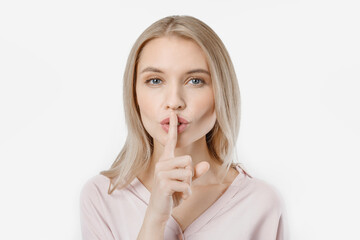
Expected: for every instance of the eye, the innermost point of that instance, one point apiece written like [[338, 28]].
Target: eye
[[147, 81], [156, 81], [199, 81]]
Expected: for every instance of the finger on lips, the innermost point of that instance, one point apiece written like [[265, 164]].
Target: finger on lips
[[170, 145], [169, 149]]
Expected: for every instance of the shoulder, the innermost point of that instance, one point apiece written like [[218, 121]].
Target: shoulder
[[265, 195], [265, 188], [94, 187]]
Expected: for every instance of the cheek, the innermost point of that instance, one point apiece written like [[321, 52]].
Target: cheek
[[204, 108], [141, 98], [145, 100], [147, 105]]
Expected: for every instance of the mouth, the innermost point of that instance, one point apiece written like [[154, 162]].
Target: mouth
[[177, 124], [180, 127], [180, 121]]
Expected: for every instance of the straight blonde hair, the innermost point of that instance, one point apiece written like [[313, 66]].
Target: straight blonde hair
[[221, 140]]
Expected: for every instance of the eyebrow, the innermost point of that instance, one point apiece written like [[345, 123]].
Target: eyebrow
[[198, 70]]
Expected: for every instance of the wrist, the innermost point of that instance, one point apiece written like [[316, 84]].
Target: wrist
[[152, 228], [152, 218]]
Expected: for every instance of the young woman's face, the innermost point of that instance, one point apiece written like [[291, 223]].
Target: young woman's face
[[172, 73]]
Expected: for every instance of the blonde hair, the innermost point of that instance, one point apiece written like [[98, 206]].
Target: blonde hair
[[221, 140]]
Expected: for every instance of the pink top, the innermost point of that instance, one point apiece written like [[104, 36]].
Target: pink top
[[249, 209]]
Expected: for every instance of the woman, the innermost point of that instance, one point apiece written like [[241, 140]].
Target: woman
[[176, 177]]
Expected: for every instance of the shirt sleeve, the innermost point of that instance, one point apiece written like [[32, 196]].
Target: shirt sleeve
[[272, 221], [283, 228], [92, 220], [282, 231]]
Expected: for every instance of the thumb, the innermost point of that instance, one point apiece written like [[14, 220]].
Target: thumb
[[200, 169]]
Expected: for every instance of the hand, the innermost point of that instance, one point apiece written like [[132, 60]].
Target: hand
[[172, 176]]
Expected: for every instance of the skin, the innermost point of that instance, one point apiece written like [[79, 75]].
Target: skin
[[181, 163], [174, 90]]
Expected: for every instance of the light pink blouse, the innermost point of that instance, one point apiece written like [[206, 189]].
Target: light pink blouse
[[249, 209]]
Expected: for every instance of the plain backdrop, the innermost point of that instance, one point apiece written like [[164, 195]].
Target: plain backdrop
[[62, 118]]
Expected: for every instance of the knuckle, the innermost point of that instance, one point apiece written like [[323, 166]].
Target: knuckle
[[183, 186], [188, 162], [188, 159]]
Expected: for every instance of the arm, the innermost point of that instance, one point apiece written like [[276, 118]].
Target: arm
[[152, 228], [93, 224], [283, 228], [283, 231]]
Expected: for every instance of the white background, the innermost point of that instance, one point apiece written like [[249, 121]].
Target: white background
[[62, 119]]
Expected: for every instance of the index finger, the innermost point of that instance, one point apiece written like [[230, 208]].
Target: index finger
[[172, 136]]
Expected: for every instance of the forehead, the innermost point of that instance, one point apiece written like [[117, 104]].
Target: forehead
[[172, 53]]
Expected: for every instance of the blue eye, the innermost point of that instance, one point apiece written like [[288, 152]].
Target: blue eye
[[151, 80], [198, 81]]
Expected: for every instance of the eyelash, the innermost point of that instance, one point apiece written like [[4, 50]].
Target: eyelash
[[200, 84]]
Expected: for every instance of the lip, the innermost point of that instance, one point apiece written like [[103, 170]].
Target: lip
[[180, 120], [180, 128]]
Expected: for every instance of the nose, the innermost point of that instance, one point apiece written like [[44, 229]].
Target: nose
[[174, 98]]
